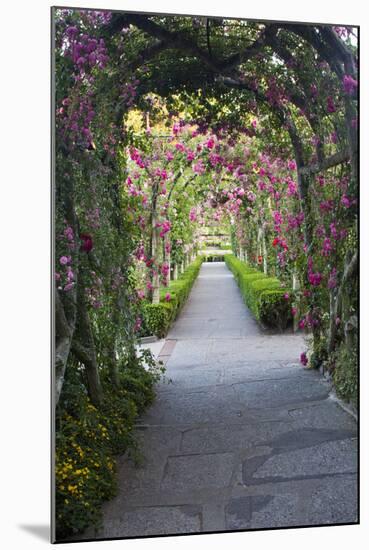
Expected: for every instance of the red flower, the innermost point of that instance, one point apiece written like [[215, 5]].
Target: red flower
[[260, 259], [87, 244], [275, 242]]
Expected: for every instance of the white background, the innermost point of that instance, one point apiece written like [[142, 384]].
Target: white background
[[25, 258]]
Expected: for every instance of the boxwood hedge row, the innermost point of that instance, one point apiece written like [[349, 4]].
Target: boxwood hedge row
[[158, 318], [266, 298]]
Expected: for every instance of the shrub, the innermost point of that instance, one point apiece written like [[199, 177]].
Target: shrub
[[262, 294], [88, 438], [237, 267], [214, 258], [273, 308], [158, 318], [256, 288], [345, 374]]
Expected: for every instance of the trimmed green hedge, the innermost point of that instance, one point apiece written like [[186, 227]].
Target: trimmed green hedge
[[262, 294], [158, 318]]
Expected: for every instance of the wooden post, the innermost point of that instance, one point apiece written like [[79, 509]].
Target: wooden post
[[295, 286]]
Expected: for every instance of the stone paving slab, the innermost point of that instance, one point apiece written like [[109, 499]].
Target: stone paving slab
[[242, 437], [197, 471], [152, 520]]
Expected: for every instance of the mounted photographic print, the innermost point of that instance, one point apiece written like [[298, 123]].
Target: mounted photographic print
[[205, 281]]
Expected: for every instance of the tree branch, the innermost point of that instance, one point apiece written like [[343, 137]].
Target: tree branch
[[330, 162]]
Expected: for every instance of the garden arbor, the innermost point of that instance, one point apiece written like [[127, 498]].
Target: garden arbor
[[305, 76], [166, 125], [300, 84]]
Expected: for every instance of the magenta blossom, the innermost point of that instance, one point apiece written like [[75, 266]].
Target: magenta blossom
[[64, 260], [331, 108], [68, 287], [140, 294], [303, 359], [345, 201], [349, 84], [192, 214], [138, 324], [168, 297], [315, 278]]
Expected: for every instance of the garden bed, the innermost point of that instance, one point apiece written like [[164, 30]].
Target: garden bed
[[158, 318]]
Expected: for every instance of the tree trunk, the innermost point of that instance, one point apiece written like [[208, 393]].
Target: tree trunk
[[265, 257], [83, 347], [111, 352], [155, 298], [296, 286], [336, 300], [65, 302], [63, 335]]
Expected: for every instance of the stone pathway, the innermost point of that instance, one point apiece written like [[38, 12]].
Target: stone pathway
[[242, 438]]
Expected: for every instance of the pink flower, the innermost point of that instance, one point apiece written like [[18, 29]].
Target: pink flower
[[315, 278], [64, 260], [286, 296], [302, 323], [70, 274], [57, 276], [293, 311], [331, 108], [87, 244], [349, 84], [345, 201], [69, 234], [68, 287], [327, 247], [192, 214], [303, 359], [165, 269], [210, 143], [168, 297], [198, 167], [141, 294]]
